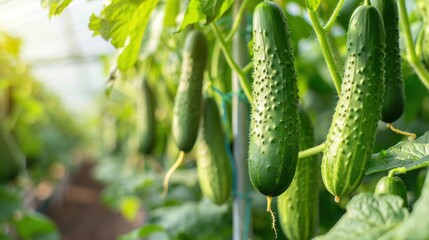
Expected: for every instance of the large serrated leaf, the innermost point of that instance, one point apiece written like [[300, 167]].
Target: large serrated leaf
[[368, 217], [405, 154], [416, 226], [123, 23], [204, 10]]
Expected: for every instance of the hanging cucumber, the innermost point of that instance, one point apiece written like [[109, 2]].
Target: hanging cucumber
[[213, 163], [274, 133], [394, 96], [298, 206], [187, 104], [11, 160], [351, 136], [146, 118], [392, 185]]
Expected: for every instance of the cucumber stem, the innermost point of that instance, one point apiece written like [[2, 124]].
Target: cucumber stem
[[367, 2], [411, 136], [411, 56], [171, 171], [273, 218], [311, 151], [248, 67], [401, 170], [244, 82], [326, 50], [334, 16], [237, 21]]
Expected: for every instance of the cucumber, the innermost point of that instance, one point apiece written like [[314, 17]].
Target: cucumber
[[298, 206], [11, 161], [392, 185], [351, 135], [394, 96], [146, 119], [213, 163], [187, 104], [274, 133]]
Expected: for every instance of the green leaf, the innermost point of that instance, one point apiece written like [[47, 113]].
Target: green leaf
[[405, 154], [416, 226], [144, 231], [204, 219], [203, 10], [10, 203], [36, 226], [368, 217], [56, 7], [171, 11], [312, 5], [123, 23]]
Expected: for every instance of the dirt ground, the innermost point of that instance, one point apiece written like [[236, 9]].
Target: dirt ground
[[80, 215]]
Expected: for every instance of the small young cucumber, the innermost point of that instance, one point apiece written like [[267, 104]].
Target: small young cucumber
[[392, 185], [213, 163], [298, 206], [351, 136], [187, 104], [274, 130], [11, 160], [394, 96], [146, 118]]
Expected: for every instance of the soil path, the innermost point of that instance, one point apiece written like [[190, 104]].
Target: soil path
[[80, 215]]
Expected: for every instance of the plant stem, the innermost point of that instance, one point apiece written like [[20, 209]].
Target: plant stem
[[411, 56], [401, 170], [248, 67], [326, 51], [367, 2], [334, 16], [237, 20], [245, 84], [311, 151]]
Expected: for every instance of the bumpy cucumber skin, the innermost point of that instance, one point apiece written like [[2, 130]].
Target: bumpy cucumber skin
[[298, 206], [187, 104], [351, 136], [274, 134], [392, 185], [213, 164], [394, 96], [146, 119], [10, 159]]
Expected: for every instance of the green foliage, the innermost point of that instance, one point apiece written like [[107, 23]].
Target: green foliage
[[56, 7], [368, 216], [35, 226], [416, 226], [206, 11], [123, 23], [408, 155]]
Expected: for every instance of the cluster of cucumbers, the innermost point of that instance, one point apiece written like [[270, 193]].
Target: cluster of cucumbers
[[372, 89]]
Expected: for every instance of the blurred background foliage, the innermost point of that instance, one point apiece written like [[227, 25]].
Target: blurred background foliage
[[54, 140]]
